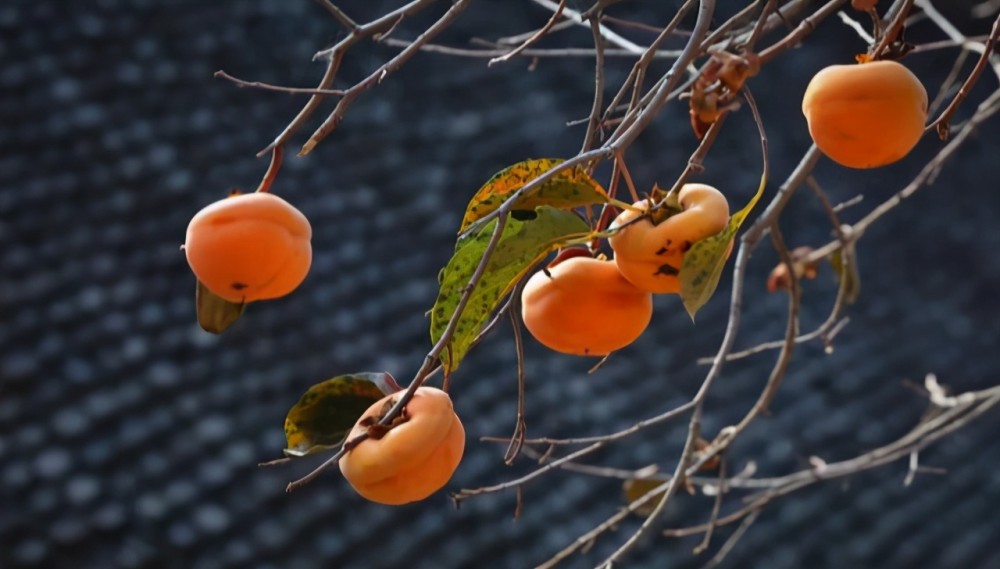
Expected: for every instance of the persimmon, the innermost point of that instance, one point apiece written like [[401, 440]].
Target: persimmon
[[865, 115], [414, 458], [650, 254], [583, 306], [249, 247]]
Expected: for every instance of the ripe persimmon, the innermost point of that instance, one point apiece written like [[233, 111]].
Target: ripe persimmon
[[583, 306], [865, 115], [414, 458], [249, 247], [650, 255]]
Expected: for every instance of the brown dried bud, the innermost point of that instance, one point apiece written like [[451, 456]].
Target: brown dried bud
[[781, 279], [700, 446]]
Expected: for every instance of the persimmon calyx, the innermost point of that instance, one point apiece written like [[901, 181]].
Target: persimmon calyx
[[375, 429], [649, 252], [694, 202]]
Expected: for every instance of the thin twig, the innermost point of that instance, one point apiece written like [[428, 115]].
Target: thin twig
[[243, 84], [556, 52], [804, 28], [647, 57], [730, 543], [941, 123], [857, 27], [349, 24], [310, 107], [520, 424], [517, 39], [896, 14], [968, 44], [595, 443], [586, 539], [706, 541], [575, 16], [948, 88], [758, 29], [923, 435], [534, 37], [336, 55], [593, 122], [335, 117], [741, 18]]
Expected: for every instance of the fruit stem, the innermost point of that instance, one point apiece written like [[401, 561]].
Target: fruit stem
[[272, 169]]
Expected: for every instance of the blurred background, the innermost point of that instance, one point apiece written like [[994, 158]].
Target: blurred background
[[130, 438]]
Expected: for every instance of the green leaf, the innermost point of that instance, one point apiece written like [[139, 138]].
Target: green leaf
[[522, 244], [215, 314], [327, 411], [704, 261], [567, 189]]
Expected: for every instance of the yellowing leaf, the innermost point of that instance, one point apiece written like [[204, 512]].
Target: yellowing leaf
[[567, 189], [327, 411], [215, 314], [523, 242], [704, 261], [637, 488], [847, 272]]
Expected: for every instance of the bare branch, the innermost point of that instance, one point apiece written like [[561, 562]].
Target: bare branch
[[606, 33], [559, 52], [804, 28], [277, 88], [593, 122], [534, 37], [345, 20], [941, 123], [382, 72], [520, 424]]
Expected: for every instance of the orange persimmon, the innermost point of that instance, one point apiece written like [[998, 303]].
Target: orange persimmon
[[865, 115], [414, 458], [249, 247], [650, 255], [583, 306]]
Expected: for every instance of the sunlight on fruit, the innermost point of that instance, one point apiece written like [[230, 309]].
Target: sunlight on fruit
[[412, 460], [583, 306], [249, 247], [650, 256], [865, 115]]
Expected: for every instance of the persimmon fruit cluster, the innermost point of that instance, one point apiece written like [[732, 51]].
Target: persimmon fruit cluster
[[249, 247], [591, 307], [414, 458], [865, 115]]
